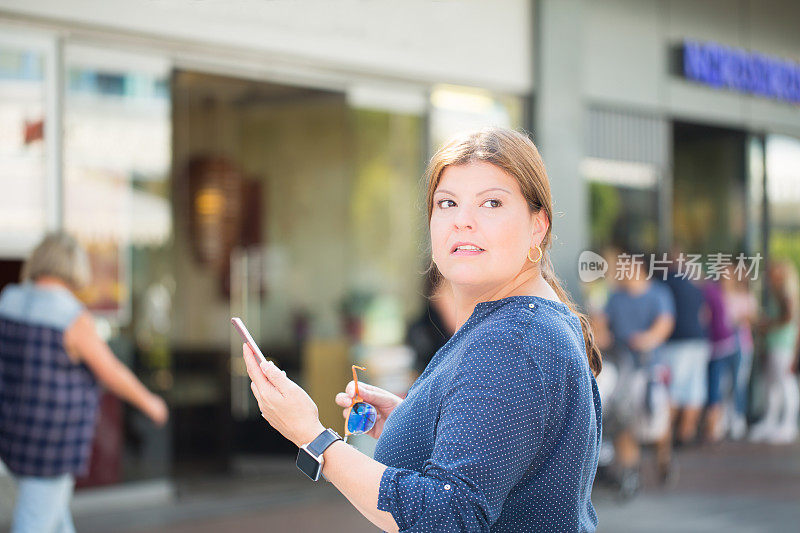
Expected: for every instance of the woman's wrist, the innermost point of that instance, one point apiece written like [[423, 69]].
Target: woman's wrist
[[308, 434]]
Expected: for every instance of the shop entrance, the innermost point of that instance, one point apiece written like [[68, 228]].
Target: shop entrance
[[710, 189], [245, 154], [296, 209]]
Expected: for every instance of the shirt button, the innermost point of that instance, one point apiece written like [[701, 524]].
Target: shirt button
[[531, 305], [447, 486]]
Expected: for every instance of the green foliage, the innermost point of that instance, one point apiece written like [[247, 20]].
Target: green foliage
[[784, 243], [604, 205]]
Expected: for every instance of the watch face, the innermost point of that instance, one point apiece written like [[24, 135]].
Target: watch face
[[308, 464]]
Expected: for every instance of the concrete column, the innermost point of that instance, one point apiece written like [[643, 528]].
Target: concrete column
[[558, 128]]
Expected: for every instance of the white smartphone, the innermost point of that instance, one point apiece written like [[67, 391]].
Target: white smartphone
[[246, 337]]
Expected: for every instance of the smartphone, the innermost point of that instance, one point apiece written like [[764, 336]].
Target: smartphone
[[246, 337]]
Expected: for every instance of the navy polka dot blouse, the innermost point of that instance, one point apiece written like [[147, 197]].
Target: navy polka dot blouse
[[502, 430]]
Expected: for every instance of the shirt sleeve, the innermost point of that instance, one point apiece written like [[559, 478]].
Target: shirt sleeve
[[490, 430], [665, 302]]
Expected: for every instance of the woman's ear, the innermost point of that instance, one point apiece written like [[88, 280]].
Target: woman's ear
[[540, 226]]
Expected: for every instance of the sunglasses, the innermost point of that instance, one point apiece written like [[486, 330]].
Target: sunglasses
[[362, 416]]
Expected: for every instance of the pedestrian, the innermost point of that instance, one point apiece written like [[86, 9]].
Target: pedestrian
[[724, 361], [501, 432], [743, 308], [779, 424], [687, 351], [638, 318], [52, 363], [435, 324]]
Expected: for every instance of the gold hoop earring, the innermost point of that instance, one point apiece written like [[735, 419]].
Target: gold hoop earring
[[538, 258]]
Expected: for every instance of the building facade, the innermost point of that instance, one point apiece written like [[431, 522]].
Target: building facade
[[263, 160]]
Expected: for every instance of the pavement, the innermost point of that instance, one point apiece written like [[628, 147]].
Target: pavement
[[731, 487]]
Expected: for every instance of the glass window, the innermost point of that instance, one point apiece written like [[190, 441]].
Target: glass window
[[783, 192], [755, 196], [116, 167], [623, 204], [116, 200], [22, 148], [710, 189], [455, 109], [386, 210], [624, 162], [300, 213]]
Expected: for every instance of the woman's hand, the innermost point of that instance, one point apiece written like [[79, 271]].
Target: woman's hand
[[282, 402], [641, 342], [156, 410], [382, 400]]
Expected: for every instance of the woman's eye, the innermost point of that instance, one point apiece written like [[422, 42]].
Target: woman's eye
[[492, 203], [444, 204]]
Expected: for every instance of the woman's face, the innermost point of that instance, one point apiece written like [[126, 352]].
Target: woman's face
[[481, 227]]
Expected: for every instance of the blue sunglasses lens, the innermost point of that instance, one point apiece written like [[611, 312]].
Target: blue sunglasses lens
[[362, 418]]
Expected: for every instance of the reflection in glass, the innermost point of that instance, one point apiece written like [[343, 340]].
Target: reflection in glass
[[22, 147], [116, 164], [116, 200], [332, 258], [623, 204]]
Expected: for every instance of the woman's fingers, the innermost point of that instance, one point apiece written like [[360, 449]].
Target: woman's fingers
[[259, 399], [263, 406], [343, 399], [256, 394], [365, 390], [276, 377], [255, 373], [265, 387]]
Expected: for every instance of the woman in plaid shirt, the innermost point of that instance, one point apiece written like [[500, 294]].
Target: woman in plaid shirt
[[52, 364]]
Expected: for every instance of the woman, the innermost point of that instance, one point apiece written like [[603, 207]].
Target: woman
[[502, 429], [51, 360], [724, 360], [743, 308], [779, 424]]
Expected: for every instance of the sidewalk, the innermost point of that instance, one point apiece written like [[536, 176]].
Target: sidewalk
[[732, 487], [277, 497]]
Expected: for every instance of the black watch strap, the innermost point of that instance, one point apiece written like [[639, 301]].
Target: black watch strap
[[321, 443]]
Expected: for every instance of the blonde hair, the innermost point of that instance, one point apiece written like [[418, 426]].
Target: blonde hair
[[514, 153], [58, 255]]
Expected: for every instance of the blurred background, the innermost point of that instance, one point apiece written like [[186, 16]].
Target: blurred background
[[262, 159]]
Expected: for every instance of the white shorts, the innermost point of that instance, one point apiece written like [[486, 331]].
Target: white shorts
[[687, 361]]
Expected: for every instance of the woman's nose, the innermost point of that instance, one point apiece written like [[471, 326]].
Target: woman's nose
[[464, 218]]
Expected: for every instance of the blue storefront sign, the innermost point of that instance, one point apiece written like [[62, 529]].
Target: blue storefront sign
[[749, 72]]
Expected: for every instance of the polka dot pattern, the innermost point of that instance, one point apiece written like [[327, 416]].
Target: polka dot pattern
[[501, 431]]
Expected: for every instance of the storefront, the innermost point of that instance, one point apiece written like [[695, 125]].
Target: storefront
[[692, 126], [214, 174], [692, 135], [265, 163]]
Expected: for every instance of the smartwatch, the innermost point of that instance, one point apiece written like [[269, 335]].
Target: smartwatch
[[309, 456]]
